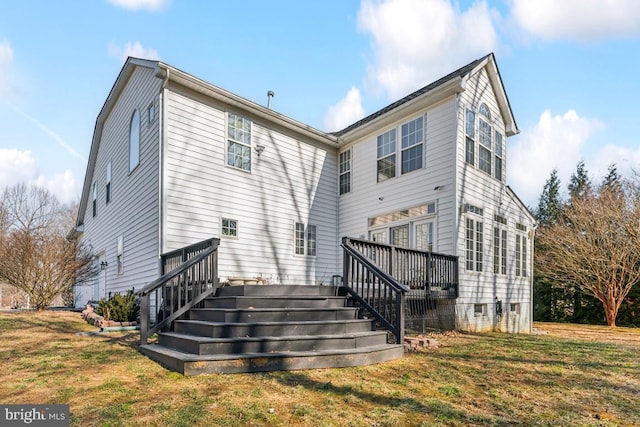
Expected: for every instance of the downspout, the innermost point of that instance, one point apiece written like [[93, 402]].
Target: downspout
[[162, 132], [532, 258], [338, 268]]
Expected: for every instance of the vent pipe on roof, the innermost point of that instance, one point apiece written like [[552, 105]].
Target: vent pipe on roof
[[270, 94]]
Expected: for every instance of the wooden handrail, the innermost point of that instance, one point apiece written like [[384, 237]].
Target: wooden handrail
[[374, 289], [178, 290]]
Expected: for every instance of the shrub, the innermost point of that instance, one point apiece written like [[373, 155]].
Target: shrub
[[120, 308]]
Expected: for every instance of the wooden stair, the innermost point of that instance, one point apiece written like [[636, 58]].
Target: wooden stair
[[257, 328]]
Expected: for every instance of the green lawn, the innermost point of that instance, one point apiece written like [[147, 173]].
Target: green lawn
[[573, 375]]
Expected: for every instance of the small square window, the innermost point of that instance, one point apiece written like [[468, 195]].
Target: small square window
[[514, 308], [479, 310], [229, 228]]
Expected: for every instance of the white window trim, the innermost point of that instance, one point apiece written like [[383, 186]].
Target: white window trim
[[120, 255], [134, 149], [94, 201], [417, 144], [108, 185], [306, 228], [227, 236], [484, 310], [346, 172], [229, 140], [399, 150]]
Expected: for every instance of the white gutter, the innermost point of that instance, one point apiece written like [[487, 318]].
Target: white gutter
[[254, 109]]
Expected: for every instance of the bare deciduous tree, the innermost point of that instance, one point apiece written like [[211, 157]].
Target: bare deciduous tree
[[596, 246], [36, 253]]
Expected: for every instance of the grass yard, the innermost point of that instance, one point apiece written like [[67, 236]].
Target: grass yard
[[572, 375]]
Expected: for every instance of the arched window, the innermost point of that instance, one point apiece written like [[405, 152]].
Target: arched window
[[484, 110], [134, 141]]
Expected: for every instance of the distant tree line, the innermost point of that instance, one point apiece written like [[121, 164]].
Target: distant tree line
[[39, 252], [587, 254]]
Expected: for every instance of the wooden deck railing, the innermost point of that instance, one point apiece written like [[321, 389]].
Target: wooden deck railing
[[173, 259], [179, 289], [373, 288], [428, 277], [421, 270]]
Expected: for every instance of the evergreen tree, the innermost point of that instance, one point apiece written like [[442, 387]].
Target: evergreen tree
[[549, 204], [579, 183], [583, 307], [545, 295], [612, 180]]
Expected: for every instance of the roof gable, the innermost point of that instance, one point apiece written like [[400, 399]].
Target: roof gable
[[457, 77]]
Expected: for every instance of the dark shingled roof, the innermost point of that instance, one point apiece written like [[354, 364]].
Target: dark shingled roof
[[458, 73]]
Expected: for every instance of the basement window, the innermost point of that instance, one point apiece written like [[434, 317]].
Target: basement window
[[479, 310], [514, 308]]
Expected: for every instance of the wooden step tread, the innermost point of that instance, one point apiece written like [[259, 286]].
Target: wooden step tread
[[202, 339]]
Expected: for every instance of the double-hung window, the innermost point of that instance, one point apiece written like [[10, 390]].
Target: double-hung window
[[345, 171], [108, 186], [498, 172], [94, 202], [412, 142], [484, 138], [473, 238], [500, 245], [239, 142], [305, 239], [406, 156], [470, 140], [521, 250], [387, 155]]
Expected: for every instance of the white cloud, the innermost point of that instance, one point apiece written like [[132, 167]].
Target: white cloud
[[63, 185], [151, 5], [21, 166], [344, 112], [415, 42], [627, 161], [554, 142], [6, 60], [16, 166], [134, 49], [582, 20]]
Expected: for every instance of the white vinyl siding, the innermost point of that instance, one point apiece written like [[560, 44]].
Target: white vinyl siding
[[134, 212], [294, 180], [371, 199]]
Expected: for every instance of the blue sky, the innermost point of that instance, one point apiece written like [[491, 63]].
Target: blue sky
[[569, 68]]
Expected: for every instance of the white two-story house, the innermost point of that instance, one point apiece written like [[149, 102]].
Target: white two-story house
[[175, 160]]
